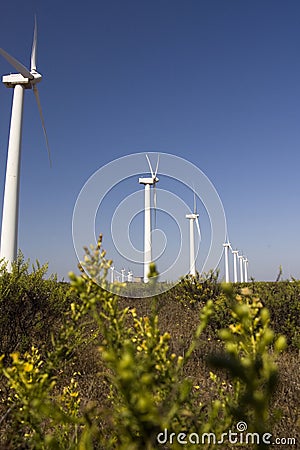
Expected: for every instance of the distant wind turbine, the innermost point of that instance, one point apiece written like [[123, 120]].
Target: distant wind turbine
[[192, 219], [130, 276], [112, 274], [245, 261], [241, 268], [148, 182], [25, 79], [235, 277], [226, 246], [122, 275]]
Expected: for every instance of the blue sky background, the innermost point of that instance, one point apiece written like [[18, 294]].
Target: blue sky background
[[216, 82]]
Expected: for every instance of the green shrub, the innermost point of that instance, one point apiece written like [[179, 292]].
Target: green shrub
[[30, 306], [283, 301], [200, 288], [146, 388], [248, 359]]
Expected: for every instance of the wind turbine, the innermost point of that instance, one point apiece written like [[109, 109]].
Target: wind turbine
[[148, 182], [25, 79], [193, 218], [241, 268], [226, 246], [235, 253], [245, 261], [112, 274], [123, 275], [130, 276]]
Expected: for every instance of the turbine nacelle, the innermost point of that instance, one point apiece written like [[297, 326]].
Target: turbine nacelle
[[148, 180], [192, 216], [13, 79]]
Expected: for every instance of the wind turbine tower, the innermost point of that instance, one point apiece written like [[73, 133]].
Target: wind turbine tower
[[148, 182], [25, 79], [112, 274], [192, 219], [245, 260], [241, 268], [122, 275], [130, 276], [226, 248], [235, 253]]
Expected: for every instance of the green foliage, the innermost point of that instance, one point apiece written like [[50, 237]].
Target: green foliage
[[30, 305], [145, 384], [283, 302], [200, 288], [282, 299], [148, 392], [247, 357], [153, 272]]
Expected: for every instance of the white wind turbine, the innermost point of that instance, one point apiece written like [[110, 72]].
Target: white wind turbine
[[25, 79], [226, 246], [245, 261], [192, 219], [148, 182], [112, 274], [130, 276], [123, 275], [241, 268], [235, 253]]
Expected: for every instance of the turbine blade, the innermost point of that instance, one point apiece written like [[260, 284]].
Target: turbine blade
[[149, 163], [34, 46], [195, 206], [16, 64], [198, 227], [156, 168], [37, 97]]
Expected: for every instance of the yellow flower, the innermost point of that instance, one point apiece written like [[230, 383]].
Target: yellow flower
[[235, 328], [74, 394], [28, 367], [246, 291], [15, 357]]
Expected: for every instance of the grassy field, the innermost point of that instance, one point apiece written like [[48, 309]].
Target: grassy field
[[92, 370]]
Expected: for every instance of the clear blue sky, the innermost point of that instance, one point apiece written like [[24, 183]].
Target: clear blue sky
[[216, 82]]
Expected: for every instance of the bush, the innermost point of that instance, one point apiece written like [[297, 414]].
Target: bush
[[145, 390], [283, 301], [31, 307]]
